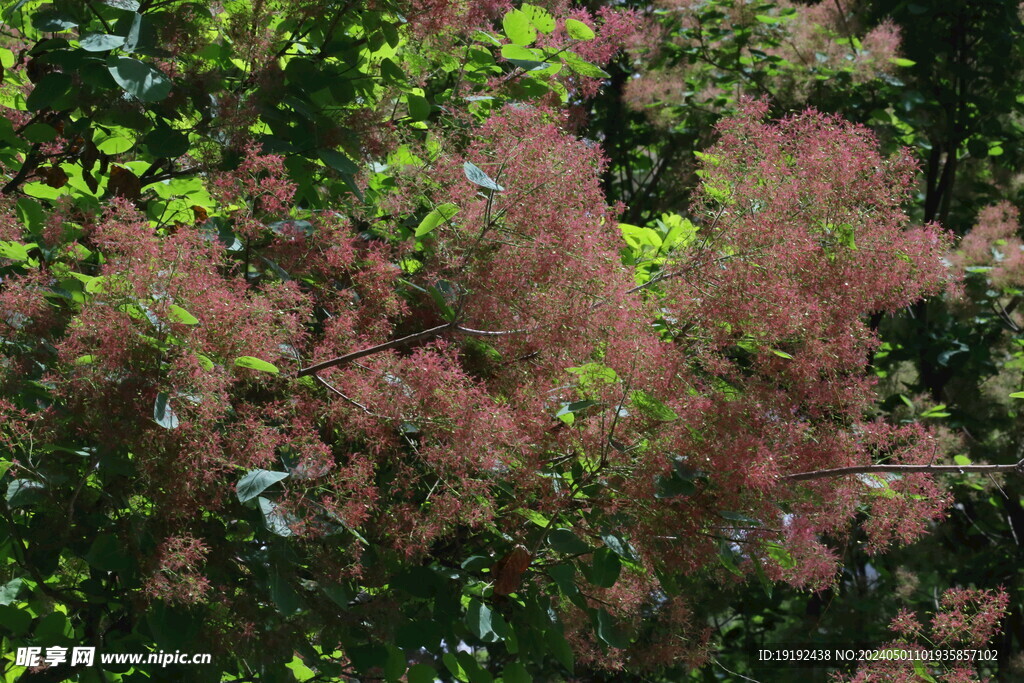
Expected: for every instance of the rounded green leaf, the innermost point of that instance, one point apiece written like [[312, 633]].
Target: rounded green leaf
[[256, 482], [254, 363], [100, 42], [143, 81], [421, 673], [605, 568], [164, 141], [539, 17], [578, 30], [419, 108], [518, 27], [565, 541], [516, 673], [48, 90]]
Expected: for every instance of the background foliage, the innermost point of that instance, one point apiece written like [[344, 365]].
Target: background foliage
[[416, 340]]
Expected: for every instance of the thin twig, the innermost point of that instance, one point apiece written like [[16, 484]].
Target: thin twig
[[906, 469]]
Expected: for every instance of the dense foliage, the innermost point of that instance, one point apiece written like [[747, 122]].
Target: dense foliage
[[416, 340]]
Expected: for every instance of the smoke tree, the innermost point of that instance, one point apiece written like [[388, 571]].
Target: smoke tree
[[323, 349]]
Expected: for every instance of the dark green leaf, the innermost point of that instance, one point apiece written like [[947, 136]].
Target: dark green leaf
[[275, 521], [605, 568], [421, 673], [139, 79], [40, 132], [164, 141], [256, 482], [565, 541], [132, 41], [478, 177], [163, 414], [516, 673], [21, 492], [419, 108], [47, 90], [100, 42], [52, 21], [108, 553], [479, 619], [338, 161], [608, 631], [618, 546], [283, 594]]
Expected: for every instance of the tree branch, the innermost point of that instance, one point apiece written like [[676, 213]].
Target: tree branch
[[906, 469], [393, 344]]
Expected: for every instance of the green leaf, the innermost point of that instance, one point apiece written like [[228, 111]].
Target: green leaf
[[254, 363], [728, 557], [256, 482], [100, 42], [605, 568], [484, 623], [781, 556], [1017, 394], [48, 90], [442, 213], [419, 107], [565, 541], [338, 161], [539, 17], [478, 177], [9, 591], [40, 132], [164, 141], [961, 460], [567, 413], [782, 354], [14, 251], [617, 545], [516, 673], [453, 665], [21, 492], [582, 66], [179, 315], [132, 41], [518, 27], [577, 30], [652, 407], [608, 631], [421, 673], [163, 414], [396, 664], [901, 61], [139, 79]]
